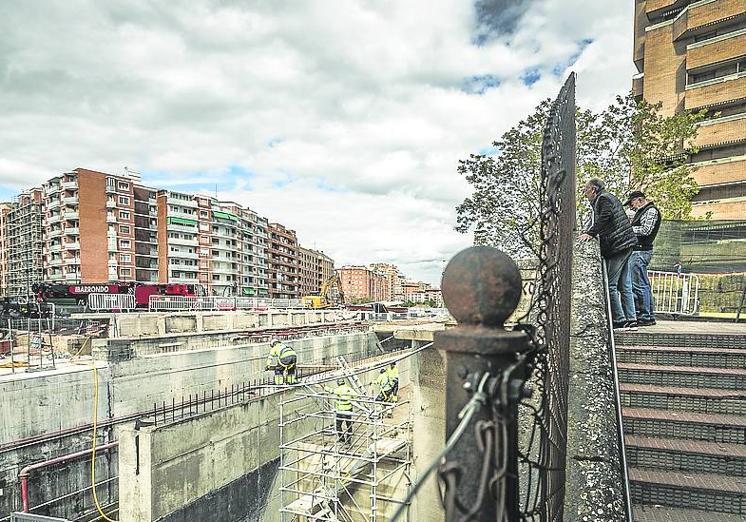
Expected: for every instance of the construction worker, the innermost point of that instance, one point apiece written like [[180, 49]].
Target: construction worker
[[384, 386], [283, 359], [393, 373], [343, 411]]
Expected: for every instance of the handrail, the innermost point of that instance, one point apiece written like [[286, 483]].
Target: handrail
[[617, 396]]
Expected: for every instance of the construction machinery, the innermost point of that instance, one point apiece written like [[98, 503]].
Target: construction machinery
[[330, 296]]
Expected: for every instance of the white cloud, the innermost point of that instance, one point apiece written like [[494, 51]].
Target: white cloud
[[363, 98]]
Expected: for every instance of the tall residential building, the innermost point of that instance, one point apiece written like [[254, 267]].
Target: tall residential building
[[5, 209], [89, 227], [316, 269], [25, 242], [284, 263], [325, 268], [691, 55], [393, 279], [359, 283]]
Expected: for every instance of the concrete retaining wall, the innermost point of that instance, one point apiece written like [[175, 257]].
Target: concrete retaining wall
[[202, 464]]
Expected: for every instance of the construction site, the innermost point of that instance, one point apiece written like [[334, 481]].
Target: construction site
[[173, 416]]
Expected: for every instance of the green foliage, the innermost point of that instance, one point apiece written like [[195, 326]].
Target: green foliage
[[629, 145]]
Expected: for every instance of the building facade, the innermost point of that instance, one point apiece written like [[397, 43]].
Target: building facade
[[283, 263], [393, 280], [25, 242], [86, 226], [691, 55], [5, 209], [361, 284]]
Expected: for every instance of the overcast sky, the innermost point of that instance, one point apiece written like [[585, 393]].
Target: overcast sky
[[343, 120]]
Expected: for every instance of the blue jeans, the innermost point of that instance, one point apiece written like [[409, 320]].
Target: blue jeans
[[620, 287], [638, 267]]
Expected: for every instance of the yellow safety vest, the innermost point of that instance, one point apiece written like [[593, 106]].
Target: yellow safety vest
[[344, 397], [393, 373], [384, 382], [274, 355]]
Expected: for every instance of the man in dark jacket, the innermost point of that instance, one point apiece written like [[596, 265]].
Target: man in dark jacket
[[645, 225], [614, 232]]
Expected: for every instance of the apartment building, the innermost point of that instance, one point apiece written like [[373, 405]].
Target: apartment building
[[316, 270], [360, 283], [324, 268], [5, 209], [393, 279], [283, 260], [145, 233], [25, 242], [691, 55]]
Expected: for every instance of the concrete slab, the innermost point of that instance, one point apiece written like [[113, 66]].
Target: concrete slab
[[696, 327]]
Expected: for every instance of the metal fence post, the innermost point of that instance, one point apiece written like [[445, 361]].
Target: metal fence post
[[481, 288]]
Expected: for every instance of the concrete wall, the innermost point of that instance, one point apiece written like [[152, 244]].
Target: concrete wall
[[44, 403], [223, 462], [594, 481]]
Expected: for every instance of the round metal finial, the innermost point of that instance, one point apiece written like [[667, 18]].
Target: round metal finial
[[481, 285]]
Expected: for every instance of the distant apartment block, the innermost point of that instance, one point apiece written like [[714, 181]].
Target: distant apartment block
[[691, 55], [283, 260], [86, 226], [360, 283], [5, 209], [25, 240], [393, 279], [316, 270]]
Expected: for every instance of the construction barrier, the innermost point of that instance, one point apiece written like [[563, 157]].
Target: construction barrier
[[674, 293], [177, 303], [111, 302]]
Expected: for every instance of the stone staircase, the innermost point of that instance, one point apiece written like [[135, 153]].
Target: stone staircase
[[684, 407]]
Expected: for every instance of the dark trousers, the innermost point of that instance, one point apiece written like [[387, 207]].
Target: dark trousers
[[620, 287], [346, 435]]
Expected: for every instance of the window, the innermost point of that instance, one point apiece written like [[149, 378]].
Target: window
[[203, 213], [215, 277], [125, 272], [124, 200], [124, 229], [123, 214], [124, 243], [125, 258], [123, 186]]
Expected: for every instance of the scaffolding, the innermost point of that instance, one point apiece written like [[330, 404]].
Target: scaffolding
[[25, 242], [324, 478]]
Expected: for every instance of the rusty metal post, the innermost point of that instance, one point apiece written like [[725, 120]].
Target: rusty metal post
[[481, 289]]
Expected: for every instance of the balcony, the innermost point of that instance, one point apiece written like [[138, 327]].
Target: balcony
[[57, 232], [110, 188], [720, 171], [72, 276], [72, 214], [182, 241], [75, 245], [72, 261], [72, 231], [110, 204], [55, 248], [52, 189], [181, 228], [54, 218], [715, 92], [716, 50], [721, 130], [111, 218], [192, 218], [70, 200], [70, 185], [53, 203], [57, 261], [181, 202], [186, 280], [112, 246], [182, 255], [706, 15]]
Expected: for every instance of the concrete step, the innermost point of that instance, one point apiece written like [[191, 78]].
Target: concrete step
[[658, 513], [645, 336], [686, 455], [667, 424], [696, 400], [708, 492], [682, 376], [683, 356]]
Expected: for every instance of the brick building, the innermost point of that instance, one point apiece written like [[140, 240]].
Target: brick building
[[25, 242], [691, 55], [5, 209], [359, 283], [283, 263], [393, 280]]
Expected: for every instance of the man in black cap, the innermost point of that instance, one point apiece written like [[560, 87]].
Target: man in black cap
[[645, 224], [614, 232]]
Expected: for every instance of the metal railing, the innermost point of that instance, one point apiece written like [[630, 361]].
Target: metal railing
[[111, 302], [176, 303], [674, 293]]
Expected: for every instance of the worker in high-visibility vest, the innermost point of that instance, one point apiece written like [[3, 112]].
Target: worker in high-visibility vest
[[343, 411], [283, 360], [384, 386], [393, 373]]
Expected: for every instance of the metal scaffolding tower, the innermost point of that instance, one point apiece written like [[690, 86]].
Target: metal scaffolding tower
[[25, 242], [326, 479]]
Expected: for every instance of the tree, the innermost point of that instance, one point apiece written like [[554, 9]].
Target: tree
[[629, 145]]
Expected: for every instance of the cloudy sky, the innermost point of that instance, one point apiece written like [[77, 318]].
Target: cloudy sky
[[343, 119]]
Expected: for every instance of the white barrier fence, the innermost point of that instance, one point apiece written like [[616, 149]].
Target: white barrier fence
[[675, 294], [111, 302], [176, 303]]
